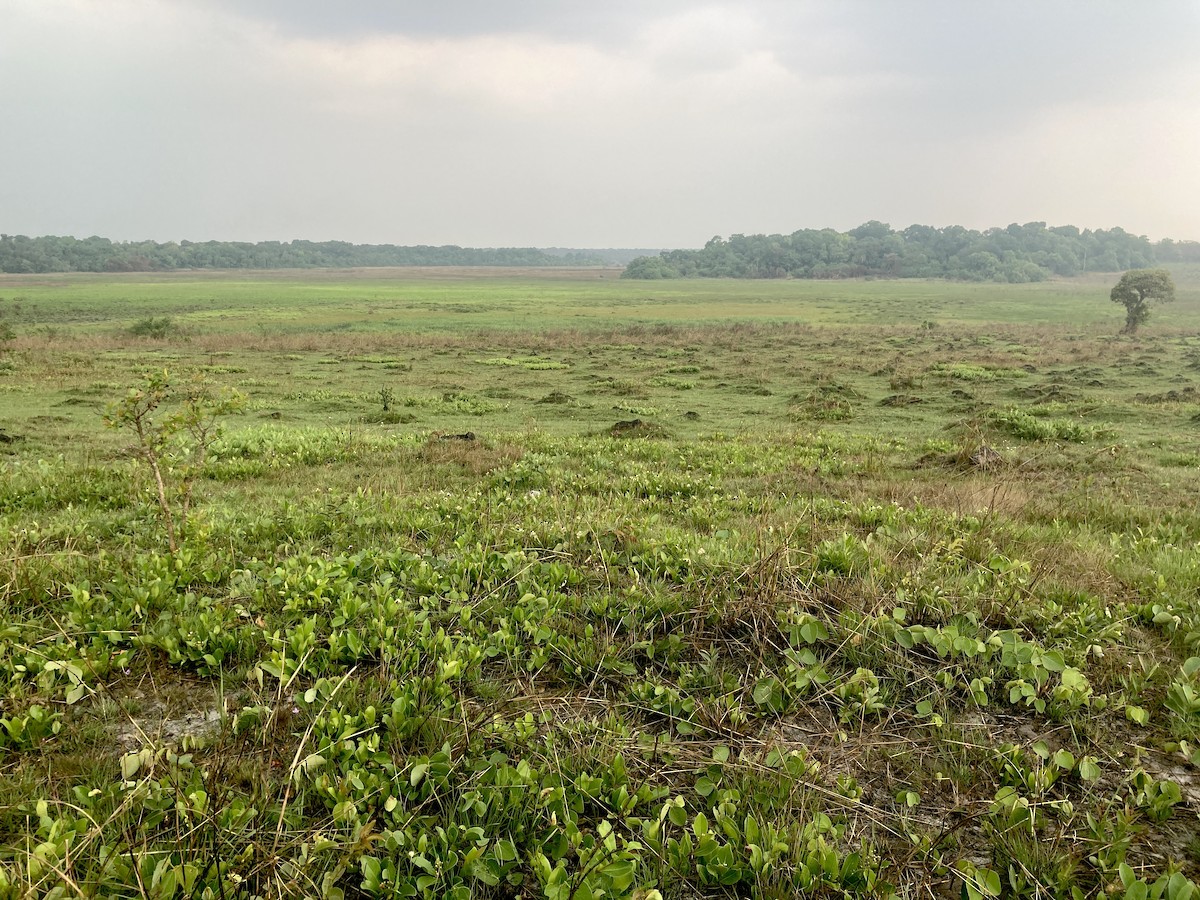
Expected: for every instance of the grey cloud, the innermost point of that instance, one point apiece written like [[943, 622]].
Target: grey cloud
[[964, 67], [589, 124], [583, 20]]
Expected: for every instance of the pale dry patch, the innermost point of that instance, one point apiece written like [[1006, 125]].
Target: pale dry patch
[[964, 495], [475, 456]]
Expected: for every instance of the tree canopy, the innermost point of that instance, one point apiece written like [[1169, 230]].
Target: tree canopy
[[20, 254], [1137, 290], [1018, 253]]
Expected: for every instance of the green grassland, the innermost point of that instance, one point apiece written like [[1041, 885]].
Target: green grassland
[[440, 300], [551, 584]]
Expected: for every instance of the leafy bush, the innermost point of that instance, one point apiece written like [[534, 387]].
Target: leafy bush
[[157, 327]]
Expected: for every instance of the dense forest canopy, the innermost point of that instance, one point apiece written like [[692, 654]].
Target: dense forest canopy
[[20, 254], [1018, 253]]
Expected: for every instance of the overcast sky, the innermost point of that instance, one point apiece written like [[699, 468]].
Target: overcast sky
[[593, 123]]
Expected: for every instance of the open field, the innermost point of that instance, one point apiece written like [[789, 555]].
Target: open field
[[441, 300], [549, 584]]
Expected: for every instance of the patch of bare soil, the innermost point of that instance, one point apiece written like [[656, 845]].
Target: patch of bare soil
[[166, 714]]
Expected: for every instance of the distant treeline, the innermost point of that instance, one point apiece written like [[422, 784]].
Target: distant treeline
[[1018, 253], [20, 254], [613, 256]]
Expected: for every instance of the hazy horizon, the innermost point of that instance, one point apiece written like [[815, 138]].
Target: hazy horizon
[[564, 124], [550, 249]]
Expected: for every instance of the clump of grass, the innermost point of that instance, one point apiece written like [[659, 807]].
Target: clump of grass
[[757, 387], [637, 428], [900, 400], [532, 363], [1181, 460], [1180, 395], [468, 452], [971, 372], [453, 402], [828, 401], [678, 384], [1053, 392], [621, 387], [1022, 424], [389, 417], [633, 410], [902, 383]]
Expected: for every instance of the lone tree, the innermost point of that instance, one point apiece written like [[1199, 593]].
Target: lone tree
[[1137, 289]]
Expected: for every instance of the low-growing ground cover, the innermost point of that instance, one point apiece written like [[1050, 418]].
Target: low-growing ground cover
[[475, 599]]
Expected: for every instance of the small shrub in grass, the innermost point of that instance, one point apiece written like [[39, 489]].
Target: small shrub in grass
[[390, 417], [153, 327], [174, 465]]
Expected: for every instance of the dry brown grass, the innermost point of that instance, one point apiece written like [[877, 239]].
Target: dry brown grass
[[475, 456]]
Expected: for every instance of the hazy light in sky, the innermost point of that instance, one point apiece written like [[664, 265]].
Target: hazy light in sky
[[582, 124]]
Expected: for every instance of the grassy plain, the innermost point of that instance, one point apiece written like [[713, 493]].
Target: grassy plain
[[737, 589]]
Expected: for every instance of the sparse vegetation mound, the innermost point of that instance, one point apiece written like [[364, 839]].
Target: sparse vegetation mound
[[828, 401], [156, 327], [900, 400], [637, 428]]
